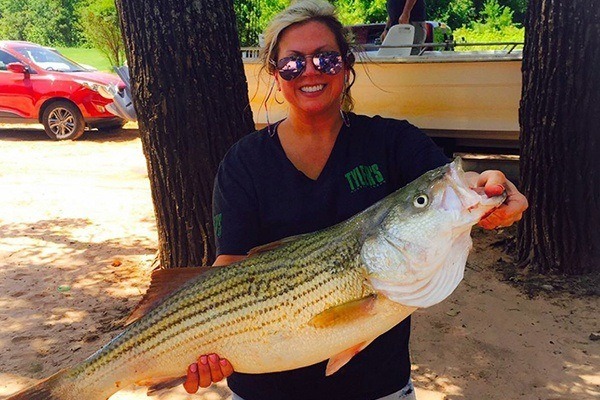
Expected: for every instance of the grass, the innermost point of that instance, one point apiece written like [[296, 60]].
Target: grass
[[479, 33], [93, 57]]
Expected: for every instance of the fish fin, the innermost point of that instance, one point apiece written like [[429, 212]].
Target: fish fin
[[339, 360], [344, 312], [273, 245], [41, 390], [163, 282], [158, 385], [266, 247]]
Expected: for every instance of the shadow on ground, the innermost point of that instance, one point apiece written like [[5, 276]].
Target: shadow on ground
[[80, 291]]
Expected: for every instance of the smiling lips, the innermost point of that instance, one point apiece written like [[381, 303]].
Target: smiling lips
[[312, 89]]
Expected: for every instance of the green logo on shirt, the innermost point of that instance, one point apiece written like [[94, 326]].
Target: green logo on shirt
[[217, 224], [364, 176]]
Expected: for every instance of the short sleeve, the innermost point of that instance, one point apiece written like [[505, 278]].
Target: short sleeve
[[235, 207]]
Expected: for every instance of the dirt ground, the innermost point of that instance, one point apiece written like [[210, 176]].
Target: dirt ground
[[77, 241]]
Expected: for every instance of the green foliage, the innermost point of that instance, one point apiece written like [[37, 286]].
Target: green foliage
[[495, 16], [459, 13], [495, 24], [47, 22], [481, 33], [99, 21], [352, 12], [518, 6], [254, 15]]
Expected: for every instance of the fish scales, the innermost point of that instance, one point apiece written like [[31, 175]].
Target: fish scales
[[286, 306], [232, 292]]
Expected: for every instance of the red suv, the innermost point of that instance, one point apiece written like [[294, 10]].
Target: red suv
[[38, 85]]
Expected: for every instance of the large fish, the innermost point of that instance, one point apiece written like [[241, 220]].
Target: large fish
[[302, 300]]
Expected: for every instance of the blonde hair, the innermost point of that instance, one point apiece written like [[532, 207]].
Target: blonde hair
[[300, 12]]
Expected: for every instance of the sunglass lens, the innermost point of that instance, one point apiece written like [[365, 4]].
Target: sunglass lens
[[291, 67], [329, 63]]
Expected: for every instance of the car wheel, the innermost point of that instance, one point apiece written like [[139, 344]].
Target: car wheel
[[63, 121]]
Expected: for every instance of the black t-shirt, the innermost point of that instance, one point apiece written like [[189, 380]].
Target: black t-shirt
[[259, 197], [395, 7]]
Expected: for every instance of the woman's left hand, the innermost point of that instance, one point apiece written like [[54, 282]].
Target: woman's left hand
[[494, 183]]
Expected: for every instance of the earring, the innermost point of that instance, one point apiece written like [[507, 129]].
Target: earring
[[344, 94], [269, 128], [276, 99]]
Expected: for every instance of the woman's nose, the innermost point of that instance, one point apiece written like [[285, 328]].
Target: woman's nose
[[310, 67]]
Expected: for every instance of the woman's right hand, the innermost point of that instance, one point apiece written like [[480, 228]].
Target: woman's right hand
[[208, 369]]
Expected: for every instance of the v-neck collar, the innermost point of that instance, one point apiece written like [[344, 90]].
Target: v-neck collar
[[328, 164]]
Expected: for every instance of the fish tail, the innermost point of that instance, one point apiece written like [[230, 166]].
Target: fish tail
[[41, 390]]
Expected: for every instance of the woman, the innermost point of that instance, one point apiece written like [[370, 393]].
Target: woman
[[317, 167]]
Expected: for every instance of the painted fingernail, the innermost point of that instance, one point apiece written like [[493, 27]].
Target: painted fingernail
[[203, 360], [223, 362], [194, 368], [213, 358]]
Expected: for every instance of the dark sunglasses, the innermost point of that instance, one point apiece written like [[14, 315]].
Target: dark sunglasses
[[327, 62]]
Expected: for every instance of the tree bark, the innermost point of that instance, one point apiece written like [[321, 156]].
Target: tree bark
[[560, 135], [191, 98]]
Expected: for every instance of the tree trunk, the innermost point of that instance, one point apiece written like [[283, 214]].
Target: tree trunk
[[191, 98], [560, 137]]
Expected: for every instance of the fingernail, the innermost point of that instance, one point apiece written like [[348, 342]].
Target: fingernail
[[213, 358], [194, 368], [223, 362], [203, 360]]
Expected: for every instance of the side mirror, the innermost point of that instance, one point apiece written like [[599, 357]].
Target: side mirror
[[16, 68]]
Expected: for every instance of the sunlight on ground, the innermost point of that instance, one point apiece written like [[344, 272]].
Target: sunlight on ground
[[591, 380], [432, 384], [10, 384], [65, 317], [218, 391]]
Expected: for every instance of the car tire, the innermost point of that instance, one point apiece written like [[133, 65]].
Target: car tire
[[63, 121]]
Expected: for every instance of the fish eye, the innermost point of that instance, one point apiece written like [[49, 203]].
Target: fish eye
[[421, 201]]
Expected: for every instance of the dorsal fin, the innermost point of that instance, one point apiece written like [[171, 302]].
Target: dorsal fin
[[273, 245], [162, 283]]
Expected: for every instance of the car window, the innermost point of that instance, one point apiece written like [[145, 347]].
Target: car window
[[49, 60], [5, 59]]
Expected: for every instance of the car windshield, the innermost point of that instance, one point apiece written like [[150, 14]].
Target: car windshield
[[50, 60]]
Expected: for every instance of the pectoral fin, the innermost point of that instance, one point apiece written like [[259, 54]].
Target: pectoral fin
[[339, 360], [157, 385], [344, 312]]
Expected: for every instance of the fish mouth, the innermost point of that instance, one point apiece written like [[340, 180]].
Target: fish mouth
[[461, 197]]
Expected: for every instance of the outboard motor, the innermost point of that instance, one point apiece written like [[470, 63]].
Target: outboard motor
[[122, 105]]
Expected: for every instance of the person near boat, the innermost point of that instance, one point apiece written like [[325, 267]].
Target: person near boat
[[407, 12]]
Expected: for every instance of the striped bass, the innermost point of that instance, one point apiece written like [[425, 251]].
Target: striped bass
[[301, 300]]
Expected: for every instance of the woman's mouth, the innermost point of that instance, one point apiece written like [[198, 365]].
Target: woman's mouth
[[312, 88]]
